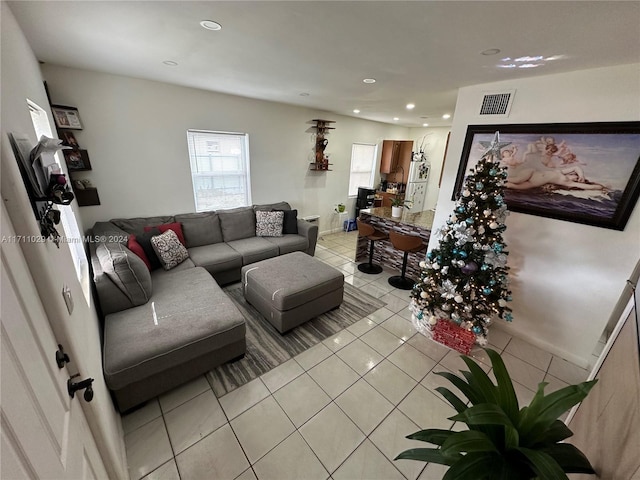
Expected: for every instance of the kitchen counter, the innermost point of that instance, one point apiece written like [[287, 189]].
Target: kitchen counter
[[417, 223], [422, 219]]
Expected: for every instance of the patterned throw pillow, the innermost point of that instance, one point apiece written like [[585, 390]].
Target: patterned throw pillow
[[169, 249], [269, 224]]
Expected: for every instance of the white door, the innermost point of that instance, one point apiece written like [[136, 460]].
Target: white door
[[44, 433]]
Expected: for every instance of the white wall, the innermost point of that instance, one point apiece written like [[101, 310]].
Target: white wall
[[51, 267], [435, 142], [135, 133], [565, 277]]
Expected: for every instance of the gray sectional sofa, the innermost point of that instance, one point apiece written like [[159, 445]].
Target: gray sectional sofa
[[162, 328]]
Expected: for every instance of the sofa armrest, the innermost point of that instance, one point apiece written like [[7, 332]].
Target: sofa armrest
[[309, 230]]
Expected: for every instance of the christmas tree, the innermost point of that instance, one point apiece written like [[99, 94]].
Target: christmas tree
[[464, 280]]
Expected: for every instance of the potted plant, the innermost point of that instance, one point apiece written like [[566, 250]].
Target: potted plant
[[340, 207], [397, 204], [503, 441]]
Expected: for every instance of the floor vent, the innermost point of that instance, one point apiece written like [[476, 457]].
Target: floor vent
[[497, 103]]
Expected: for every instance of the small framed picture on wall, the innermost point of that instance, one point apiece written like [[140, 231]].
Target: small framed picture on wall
[[69, 139], [66, 117], [77, 160]]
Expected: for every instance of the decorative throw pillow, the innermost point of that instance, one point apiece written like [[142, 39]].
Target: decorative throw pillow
[[144, 241], [126, 270], [169, 249], [269, 224], [290, 223], [135, 247], [175, 226]]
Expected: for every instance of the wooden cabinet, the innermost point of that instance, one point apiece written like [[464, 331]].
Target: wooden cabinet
[[386, 198], [396, 154], [390, 156]]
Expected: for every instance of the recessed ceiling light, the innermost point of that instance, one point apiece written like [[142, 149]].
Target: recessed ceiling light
[[211, 25], [369, 80], [425, 124], [171, 63], [396, 118], [411, 106], [356, 111], [446, 116], [304, 94], [490, 51]]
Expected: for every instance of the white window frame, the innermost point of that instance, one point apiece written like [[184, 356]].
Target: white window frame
[[244, 172], [72, 236], [353, 188]]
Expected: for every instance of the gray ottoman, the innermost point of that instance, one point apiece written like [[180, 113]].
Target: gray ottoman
[[291, 289]]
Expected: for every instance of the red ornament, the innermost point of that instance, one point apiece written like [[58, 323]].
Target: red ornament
[[454, 336]]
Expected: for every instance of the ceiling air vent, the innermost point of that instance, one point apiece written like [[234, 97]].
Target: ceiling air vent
[[497, 103]]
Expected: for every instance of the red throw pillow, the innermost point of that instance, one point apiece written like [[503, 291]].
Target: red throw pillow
[[135, 247], [176, 227]]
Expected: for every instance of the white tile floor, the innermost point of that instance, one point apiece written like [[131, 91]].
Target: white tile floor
[[340, 410]]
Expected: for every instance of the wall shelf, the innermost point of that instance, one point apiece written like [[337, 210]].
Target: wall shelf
[[321, 160], [320, 167]]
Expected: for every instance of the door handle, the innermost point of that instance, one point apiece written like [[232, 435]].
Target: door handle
[[73, 387]]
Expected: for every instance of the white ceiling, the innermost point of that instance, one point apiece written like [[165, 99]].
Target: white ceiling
[[419, 51]]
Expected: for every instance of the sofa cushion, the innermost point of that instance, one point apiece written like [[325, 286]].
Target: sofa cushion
[[169, 249], [107, 232], [126, 270], [237, 223], [144, 240], [289, 243], [136, 225], [175, 226], [269, 224], [216, 258], [254, 249], [290, 221], [135, 247], [188, 263], [189, 316], [200, 228], [267, 207]]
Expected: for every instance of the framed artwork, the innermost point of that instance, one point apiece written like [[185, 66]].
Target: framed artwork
[[579, 172], [77, 160], [66, 117], [69, 139]]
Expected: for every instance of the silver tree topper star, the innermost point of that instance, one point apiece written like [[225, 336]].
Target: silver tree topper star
[[494, 147]]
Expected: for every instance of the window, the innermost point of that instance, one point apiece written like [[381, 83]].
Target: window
[[73, 239], [219, 169], [363, 160]]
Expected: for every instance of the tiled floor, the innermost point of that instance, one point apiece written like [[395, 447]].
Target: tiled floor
[[340, 410]]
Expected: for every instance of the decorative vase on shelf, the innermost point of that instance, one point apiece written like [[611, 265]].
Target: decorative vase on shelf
[[396, 211]]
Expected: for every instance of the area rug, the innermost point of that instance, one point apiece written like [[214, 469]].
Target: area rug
[[267, 348]]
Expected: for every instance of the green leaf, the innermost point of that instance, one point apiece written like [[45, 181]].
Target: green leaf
[[480, 381], [461, 385], [432, 435], [549, 408], [452, 398], [570, 459], [528, 414], [429, 455], [543, 464], [557, 432], [483, 414], [466, 442], [473, 466], [506, 394]]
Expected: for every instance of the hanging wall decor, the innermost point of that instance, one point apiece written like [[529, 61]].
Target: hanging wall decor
[[579, 172]]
